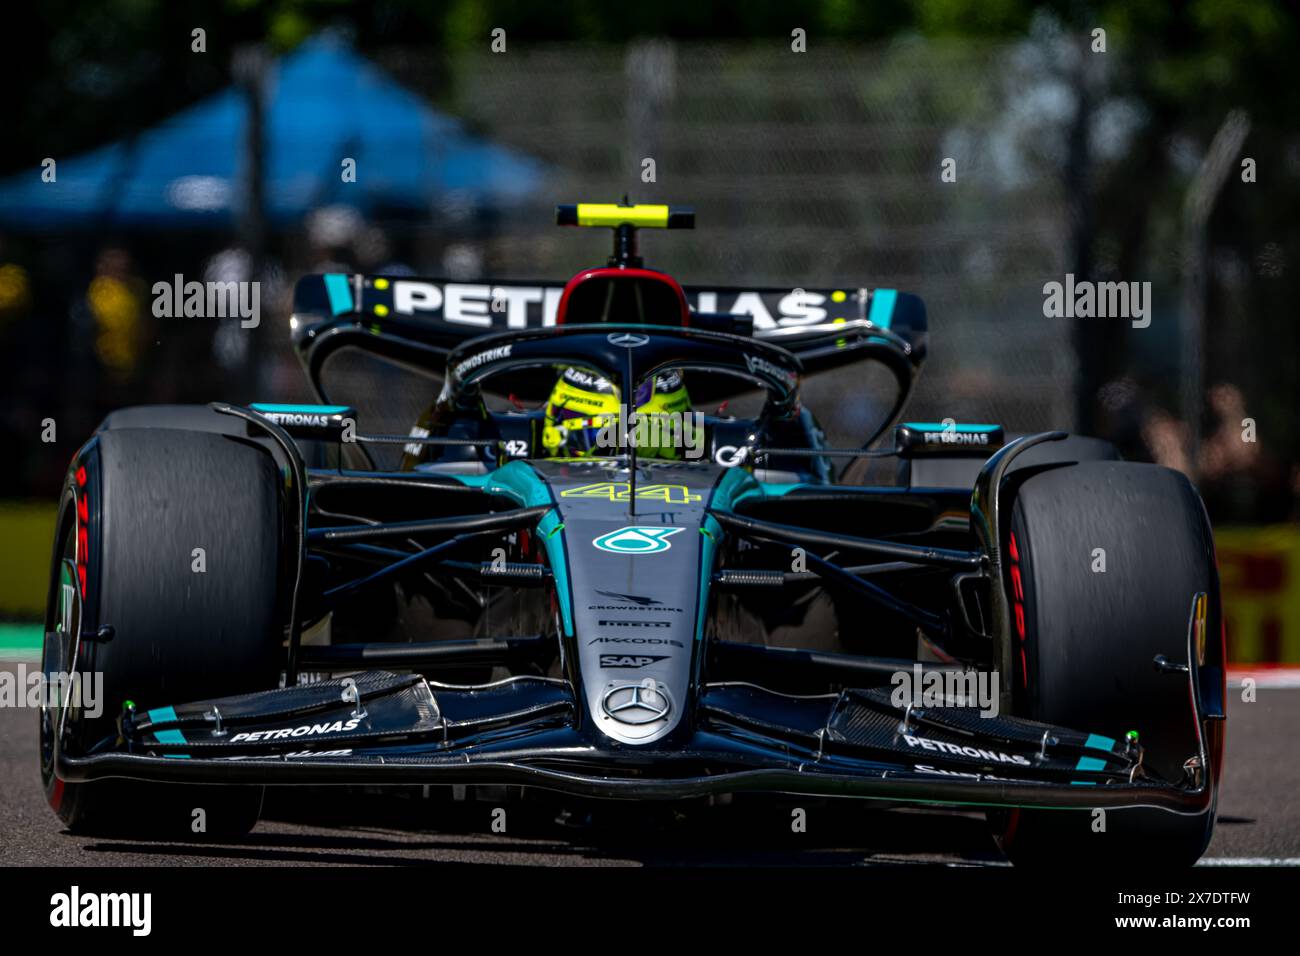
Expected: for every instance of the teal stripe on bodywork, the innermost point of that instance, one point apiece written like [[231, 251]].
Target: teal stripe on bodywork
[[339, 292], [731, 487], [763, 489], [940, 427], [882, 307], [299, 409], [171, 737], [1094, 742], [517, 481], [711, 533], [163, 715]]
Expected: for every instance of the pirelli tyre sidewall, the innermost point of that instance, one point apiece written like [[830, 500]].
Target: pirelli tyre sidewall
[[1102, 561], [173, 539]]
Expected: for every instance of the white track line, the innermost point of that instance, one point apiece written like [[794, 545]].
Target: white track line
[[1250, 861], [1266, 678]]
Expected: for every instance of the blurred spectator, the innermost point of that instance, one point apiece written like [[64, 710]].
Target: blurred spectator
[[15, 290], [115, 302], [1121, 411], [1240, 479], [332, 232], [1225, 448], [375, 254], [1168, 438], [230, 342]]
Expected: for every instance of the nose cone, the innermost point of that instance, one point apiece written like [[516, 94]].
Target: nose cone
[[634, 576]]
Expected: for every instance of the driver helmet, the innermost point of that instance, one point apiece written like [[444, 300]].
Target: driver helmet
[[582, 416]]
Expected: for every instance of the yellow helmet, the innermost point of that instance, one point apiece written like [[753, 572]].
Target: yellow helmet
[[583, 412]]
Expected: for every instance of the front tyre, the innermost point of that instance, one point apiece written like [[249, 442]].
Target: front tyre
[[1103, 559], [173, 539]]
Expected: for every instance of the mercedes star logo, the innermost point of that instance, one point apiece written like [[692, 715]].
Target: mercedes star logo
[[639, 703], [628, 340]]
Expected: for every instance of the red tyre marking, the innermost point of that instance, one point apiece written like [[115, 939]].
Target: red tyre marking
[[1018, 601]]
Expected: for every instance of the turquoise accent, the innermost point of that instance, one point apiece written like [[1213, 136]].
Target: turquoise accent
[[712, 533], [339, 292], [778, 489], [517, 481], [637, 540], [763, 489], [882, 307], [940, 426], [734, 485], [1094, 742], [299, 409], [163, 715]]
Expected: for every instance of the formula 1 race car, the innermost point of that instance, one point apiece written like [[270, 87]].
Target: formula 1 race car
[[482, 570]]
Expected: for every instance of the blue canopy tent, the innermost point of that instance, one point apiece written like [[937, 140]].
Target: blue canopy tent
[[324, 103]]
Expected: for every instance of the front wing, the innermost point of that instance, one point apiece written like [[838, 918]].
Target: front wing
[[378, 727]]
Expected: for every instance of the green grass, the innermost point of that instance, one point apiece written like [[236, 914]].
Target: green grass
[[20, 642]]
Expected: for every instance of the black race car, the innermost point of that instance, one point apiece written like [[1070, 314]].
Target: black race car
[[425, 586]]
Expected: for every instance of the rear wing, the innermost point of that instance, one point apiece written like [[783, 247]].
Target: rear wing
[[826, 328]]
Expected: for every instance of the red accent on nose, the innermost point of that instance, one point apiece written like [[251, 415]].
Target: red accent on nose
[[81, 476], [83, 508], [1015, 582], [1015, 553]]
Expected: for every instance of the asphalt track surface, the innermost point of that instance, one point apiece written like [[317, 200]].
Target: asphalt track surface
[[1259, 821]]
